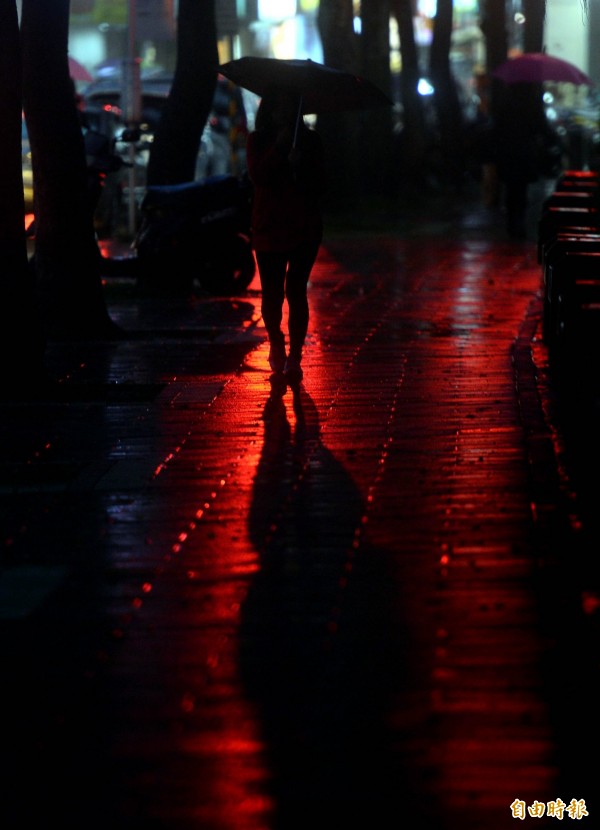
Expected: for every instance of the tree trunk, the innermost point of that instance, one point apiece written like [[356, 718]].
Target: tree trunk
[[533, 41], [67, 261], [413, 142], [177, 139], [446, 99], [493, 26], [379, 171], [340, 131], [21, 344], [535, 15]]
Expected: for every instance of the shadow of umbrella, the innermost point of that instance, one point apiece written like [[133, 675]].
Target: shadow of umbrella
[[317, 644]]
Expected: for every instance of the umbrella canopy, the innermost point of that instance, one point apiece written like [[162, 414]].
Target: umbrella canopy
[[77, 71], [322, 88], [538, 67]]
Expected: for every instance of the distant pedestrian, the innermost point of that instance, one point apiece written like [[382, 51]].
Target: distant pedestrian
[[520, 135], [286, 167]]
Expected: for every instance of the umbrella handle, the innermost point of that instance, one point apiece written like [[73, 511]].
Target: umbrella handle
[[298, 117]]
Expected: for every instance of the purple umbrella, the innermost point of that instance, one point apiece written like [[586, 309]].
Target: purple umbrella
[[538, 67]]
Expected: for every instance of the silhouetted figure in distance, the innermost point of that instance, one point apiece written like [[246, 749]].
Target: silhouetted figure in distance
[[520, 130]]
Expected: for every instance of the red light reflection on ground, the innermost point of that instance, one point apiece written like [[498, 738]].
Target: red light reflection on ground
[[481, 580], [209, 561], [254, 569]]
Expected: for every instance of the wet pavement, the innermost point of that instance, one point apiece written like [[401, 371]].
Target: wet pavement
[[368, 601]]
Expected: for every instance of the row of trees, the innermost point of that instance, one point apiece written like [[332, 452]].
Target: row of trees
[[368, 144], [59, 293]]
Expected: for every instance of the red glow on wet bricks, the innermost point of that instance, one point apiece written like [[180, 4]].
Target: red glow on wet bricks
[[590, 603], [343, 511]]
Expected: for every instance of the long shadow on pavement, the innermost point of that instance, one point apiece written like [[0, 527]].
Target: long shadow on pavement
[[316, 639]]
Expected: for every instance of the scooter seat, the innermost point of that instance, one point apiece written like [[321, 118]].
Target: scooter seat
[[204, 195]]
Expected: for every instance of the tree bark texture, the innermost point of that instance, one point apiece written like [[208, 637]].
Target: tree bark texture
[[379, 169], [413, 138], [66, 253], [21, 343], [340, 131], [12, 207], [177, 139], [493, 26], [533, 34], [446, 99]]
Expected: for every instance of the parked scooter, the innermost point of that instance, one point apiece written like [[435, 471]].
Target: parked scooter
[[196, 233], [190, 235]]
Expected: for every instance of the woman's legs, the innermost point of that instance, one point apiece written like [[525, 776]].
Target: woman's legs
[[300, 265], [271, 269], [285, 276]]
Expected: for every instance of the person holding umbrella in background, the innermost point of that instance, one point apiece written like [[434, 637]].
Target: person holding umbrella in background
[[285, 163], [519, 131], [526, 146]]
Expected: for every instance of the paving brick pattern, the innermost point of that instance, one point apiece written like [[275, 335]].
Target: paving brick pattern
[[232, 606]]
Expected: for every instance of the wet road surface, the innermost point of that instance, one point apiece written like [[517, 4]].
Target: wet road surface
[[228, 605]]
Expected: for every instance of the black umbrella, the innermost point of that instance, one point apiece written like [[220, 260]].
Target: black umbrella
[[321, 88]]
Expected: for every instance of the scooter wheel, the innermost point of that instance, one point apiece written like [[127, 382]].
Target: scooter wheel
[[233, 269]]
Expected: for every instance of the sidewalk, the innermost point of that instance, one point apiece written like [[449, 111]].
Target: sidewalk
[[367, 602]]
